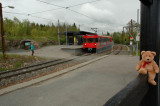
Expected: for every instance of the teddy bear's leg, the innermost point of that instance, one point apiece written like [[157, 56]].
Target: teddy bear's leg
[[151, 76], [143, 71]]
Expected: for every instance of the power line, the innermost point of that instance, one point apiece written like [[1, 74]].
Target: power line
[[62, 6], [15, 13], [37, 16], [29, 15], [51, 4], [83, 3], [46, 11], [72, 6], [82, 14], [67, 6], [43, 18]]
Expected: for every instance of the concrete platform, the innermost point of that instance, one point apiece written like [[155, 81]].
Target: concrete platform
[[73, 49], [91, 85]]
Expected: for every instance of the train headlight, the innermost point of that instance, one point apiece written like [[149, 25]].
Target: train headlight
[[85, 44], [95, 44]]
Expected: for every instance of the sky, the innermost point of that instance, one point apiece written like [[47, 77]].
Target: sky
[[105, 15]]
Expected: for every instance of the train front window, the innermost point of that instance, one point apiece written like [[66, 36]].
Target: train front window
[[90, 40]]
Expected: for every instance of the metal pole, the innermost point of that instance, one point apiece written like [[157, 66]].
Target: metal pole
[[66, 35], [150, 40], [58, 34], [79, 28], [2, 33], [137, 30], [123, 36]]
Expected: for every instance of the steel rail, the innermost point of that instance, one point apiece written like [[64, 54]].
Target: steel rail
[[36, 68], [120, 49], [30, 66]]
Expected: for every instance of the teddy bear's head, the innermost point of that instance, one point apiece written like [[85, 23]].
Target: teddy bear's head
[[148, 56]]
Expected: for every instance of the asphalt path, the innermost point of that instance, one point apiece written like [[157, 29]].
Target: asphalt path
[[47, 52], [91, 85]]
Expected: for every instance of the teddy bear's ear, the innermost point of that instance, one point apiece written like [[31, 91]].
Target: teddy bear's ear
[[142, 52], [154, 53]]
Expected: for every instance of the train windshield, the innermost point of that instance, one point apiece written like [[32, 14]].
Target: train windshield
[[90, 40]]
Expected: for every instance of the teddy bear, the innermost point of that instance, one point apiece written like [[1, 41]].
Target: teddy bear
[[147, 64]]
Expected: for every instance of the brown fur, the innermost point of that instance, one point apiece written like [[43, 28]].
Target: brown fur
[[151, 68]]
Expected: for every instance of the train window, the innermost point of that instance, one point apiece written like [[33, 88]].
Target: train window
[[108, 39], [96, 39], [103, 39], [90, 40]]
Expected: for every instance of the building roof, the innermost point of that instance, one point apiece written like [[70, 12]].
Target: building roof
[[73, 33]]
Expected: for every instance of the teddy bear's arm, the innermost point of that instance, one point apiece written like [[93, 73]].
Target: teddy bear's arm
[[155, 66], [139, 65]]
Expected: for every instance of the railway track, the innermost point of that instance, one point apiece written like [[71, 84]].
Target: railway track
[[120, 47], [29, 69], [117, 49], [12, 77], [16, 75]]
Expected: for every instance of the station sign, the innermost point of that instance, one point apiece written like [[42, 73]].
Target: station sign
[[27, 43], [137, 38]]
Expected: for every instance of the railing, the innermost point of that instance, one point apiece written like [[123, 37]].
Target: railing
[[132, 95]]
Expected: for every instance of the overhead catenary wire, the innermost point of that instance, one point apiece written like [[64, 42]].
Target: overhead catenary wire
[[29, 15], [25, 14], [61, 7], [82, 14], [68, 8], [15, 13], [46, 11], [83, 3], [51, 4]]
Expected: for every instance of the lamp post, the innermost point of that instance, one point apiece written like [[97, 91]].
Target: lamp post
[[2, 33]]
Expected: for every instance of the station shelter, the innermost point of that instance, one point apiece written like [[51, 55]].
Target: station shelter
[[76, 38], [25, 44]]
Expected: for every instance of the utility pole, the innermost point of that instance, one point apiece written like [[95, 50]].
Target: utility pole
[[131, 27], [2, 33], [66, 35], [79, 28], [122, 34], [58, 33], [137, 37]]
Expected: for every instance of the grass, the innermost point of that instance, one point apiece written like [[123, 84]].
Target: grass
[[16, 61]]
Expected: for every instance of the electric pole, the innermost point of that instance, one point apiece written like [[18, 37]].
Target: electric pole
[[66, 35], [2, 33], [58, 34], [137, 37]]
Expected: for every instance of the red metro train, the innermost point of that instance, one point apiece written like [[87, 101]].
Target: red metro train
[[92, 42]]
